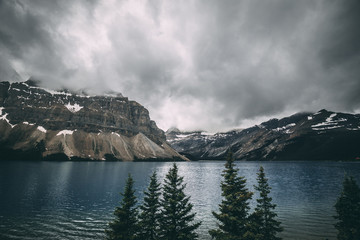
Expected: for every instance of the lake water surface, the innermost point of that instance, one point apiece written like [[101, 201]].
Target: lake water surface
[[76, 200]]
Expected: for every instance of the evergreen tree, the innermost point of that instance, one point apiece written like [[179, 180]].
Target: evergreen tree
[[125, 226], [176, 222], [234, 208], [264, 216], [348, 211], [150, 215]]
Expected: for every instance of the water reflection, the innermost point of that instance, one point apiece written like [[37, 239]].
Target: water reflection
[[72, 200]]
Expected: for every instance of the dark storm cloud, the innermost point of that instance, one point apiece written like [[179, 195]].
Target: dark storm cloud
[[30, 40], [340, 53], [194, 64], [248, 57], [343, 37], [265, 58]]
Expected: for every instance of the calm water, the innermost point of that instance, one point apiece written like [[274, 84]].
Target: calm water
[[75, 200]]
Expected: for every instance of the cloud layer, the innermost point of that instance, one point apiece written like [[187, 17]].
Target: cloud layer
[[209, 65]]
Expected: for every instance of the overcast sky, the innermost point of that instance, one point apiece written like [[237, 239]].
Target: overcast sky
[[212, 65]]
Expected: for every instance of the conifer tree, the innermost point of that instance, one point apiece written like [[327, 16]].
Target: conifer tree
[[124, 226], [348, 211], [264, 215], [233, 222], [150, 215], [176, 222]]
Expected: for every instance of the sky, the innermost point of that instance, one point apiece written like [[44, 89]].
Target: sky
[[207, 64]]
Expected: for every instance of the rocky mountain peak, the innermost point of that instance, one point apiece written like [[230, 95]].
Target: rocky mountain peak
[[324, 135], [76, 125], [173, 130]]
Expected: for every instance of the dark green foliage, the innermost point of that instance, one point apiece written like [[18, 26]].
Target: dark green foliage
[[348, 211], [125, 226], [150, 215], [176, 222], [265, 225], [233, 222]]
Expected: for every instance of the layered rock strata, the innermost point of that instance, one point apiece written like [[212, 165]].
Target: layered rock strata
[[36, 123]]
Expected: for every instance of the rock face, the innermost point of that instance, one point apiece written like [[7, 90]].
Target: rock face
[[305, 136], [38, 123]]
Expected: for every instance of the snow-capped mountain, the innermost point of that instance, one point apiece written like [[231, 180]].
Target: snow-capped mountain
[[323, 135], [37, 123]]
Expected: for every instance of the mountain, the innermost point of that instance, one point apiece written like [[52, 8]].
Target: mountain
[[36, 123], [323, 135]]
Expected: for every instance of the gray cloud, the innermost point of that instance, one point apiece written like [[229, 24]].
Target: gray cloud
[[205, 64]]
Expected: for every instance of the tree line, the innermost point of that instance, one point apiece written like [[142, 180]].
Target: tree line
[[166, 212], [166, 218]]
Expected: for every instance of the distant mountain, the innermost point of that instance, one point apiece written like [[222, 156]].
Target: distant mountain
[[323, 135], [41, 124]]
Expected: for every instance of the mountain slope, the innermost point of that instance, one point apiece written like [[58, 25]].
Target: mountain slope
[[37, 123], [305, 136]]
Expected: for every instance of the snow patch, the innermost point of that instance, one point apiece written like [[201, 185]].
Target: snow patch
[[116, 134], [329, 119], [354, 129], [213, 133], [207, 133], [285, 128], [326, 128], [23, 83], [65, 132], [342, 120], [309, 117], [41, 129], [27, 123], [183, 135], [73, 108], [329, 123], [322, 124], [52, 92], [26, 98], [3, 117]]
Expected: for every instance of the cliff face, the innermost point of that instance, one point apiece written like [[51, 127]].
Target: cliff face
[[47, 124], [323, 135]]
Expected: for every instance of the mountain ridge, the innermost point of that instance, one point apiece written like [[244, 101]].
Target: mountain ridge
[[323, 135], [52, 125]]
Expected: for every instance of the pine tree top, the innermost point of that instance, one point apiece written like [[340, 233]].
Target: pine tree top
[[129, 198], [176, 220], [348, 210], [125, 225], [233, 209], [150, 215], [264, 216]]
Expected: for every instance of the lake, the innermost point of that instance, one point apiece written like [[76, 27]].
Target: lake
[[76, 200]]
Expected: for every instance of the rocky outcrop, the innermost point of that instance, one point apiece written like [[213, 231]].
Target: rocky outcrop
[[323, 135], [60, 125]]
